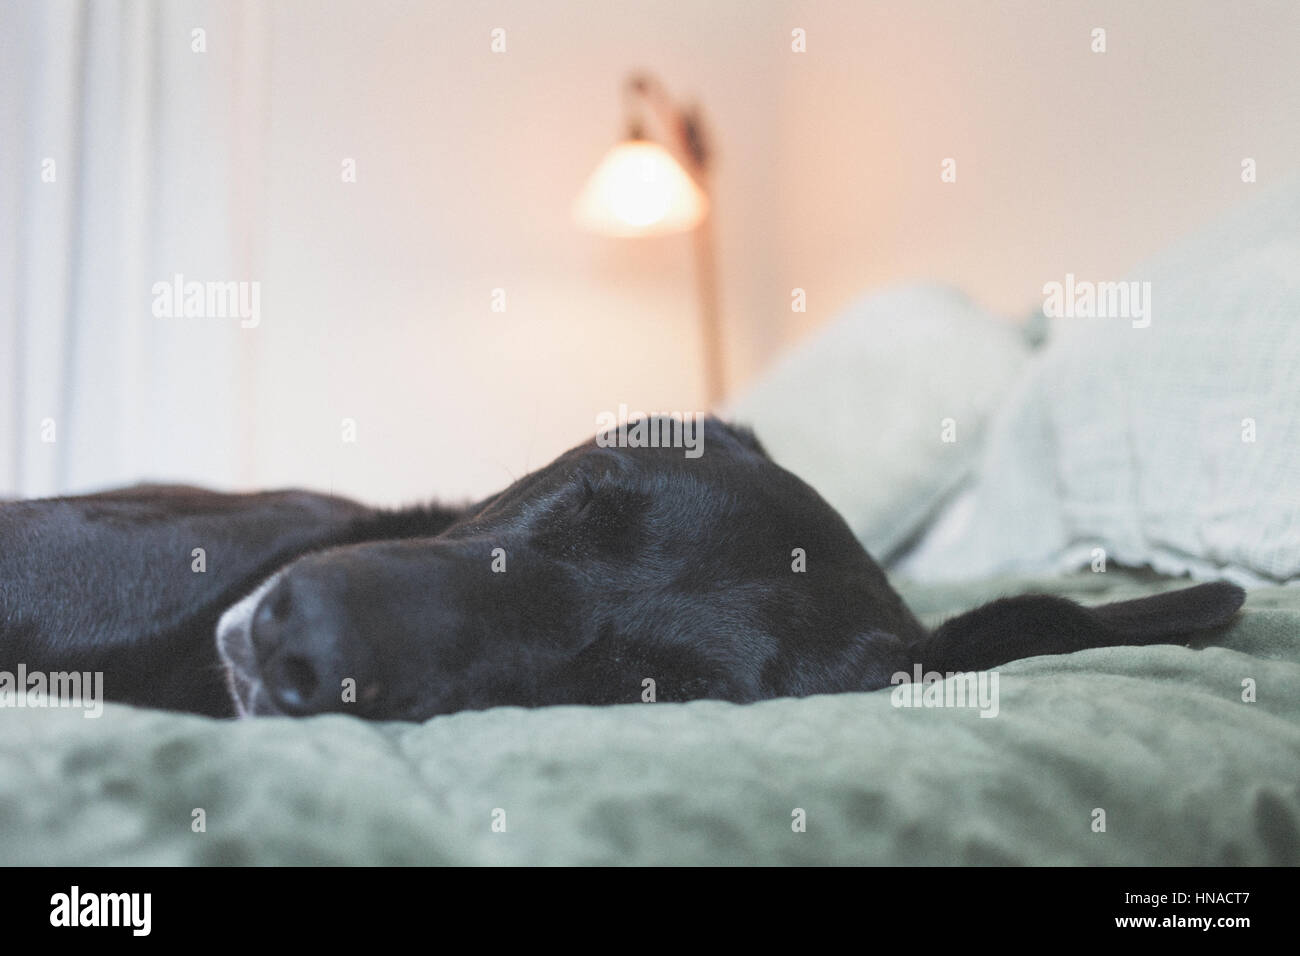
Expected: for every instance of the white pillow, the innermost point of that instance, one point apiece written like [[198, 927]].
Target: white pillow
[[858, 410], [1137, 440]]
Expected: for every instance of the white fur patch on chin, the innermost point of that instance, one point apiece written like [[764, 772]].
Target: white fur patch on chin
[[235, 647]]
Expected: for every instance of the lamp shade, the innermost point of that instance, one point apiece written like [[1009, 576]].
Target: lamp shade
[[639, 189]]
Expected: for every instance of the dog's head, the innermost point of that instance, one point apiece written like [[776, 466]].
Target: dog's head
[[612, 574]]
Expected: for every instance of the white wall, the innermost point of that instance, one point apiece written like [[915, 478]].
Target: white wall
[[376, 295]]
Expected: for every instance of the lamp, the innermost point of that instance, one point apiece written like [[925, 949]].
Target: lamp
[[643, 188], [640, 190]]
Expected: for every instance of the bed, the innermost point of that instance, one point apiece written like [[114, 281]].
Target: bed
[[1186, 771]]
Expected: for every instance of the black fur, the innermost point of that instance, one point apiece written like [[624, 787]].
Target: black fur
[[621, 565]]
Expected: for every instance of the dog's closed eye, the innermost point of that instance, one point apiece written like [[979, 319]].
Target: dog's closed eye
[[596, 513]]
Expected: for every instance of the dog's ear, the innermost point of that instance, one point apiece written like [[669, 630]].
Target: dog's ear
[[1012, 628]]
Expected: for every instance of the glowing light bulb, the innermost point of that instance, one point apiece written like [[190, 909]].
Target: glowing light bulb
[[639, 189]]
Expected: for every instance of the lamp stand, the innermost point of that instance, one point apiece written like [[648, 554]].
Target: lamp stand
[[685, 129], [706, 279]]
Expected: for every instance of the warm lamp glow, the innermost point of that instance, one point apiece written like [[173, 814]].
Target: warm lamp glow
[[639, 189]]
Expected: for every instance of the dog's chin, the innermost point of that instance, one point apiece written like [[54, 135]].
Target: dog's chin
[[235, 647]]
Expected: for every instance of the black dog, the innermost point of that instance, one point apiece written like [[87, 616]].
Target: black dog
[[575, 585]]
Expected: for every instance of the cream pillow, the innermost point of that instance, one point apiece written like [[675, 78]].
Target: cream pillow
[[1175, 446], [860, 409]]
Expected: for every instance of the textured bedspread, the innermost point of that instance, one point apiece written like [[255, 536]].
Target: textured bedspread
[[1158, 738]]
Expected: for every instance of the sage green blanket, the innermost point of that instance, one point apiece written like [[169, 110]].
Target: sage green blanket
[[1158, 739]]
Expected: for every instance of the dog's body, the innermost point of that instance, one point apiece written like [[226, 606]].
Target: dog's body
[[722, 576]]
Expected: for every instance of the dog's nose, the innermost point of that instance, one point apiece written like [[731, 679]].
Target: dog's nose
[[297, 636]]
